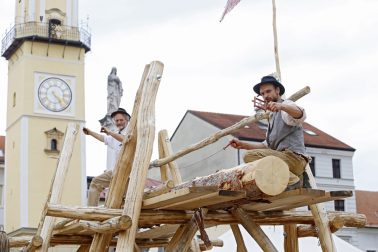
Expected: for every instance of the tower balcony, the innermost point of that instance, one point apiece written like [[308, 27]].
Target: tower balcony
[[44, 32]]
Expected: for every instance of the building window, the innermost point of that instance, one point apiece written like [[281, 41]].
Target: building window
[[14, 99], [54, 145], [312, 166], [336, 168], [339, 205]]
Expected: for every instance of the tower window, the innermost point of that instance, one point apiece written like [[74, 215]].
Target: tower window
[[54, 145], [336, 168], [339, 205], [312, 166]]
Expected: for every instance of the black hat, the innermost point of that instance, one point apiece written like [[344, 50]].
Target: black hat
[[270, 80], [120, 111]]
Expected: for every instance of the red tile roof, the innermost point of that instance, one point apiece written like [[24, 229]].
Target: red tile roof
[[367, 203], [256, 131], [2, 149]]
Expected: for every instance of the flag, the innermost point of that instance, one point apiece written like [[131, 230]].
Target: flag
[[229, 6]]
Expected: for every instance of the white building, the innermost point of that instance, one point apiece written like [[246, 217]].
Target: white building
[[331, 158]]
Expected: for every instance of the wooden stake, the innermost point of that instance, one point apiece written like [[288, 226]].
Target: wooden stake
[[254, 230], [290, 238], [321, 219], [278, 70], [145, 138], [122, 169], [46, 223], [164, 168], [240, 245], [216, 136]]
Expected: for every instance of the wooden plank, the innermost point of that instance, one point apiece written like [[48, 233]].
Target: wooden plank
[[284, 199], [176, 196], [220, 196], [161, 232]]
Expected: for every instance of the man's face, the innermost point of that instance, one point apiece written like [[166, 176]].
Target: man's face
[[120, 121], [269, 92]]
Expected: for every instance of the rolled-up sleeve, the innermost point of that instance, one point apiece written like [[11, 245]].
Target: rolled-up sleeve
[[288, 119]]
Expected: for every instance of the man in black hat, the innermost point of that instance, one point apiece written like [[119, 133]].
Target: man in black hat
[[114, 141], [284, 137]]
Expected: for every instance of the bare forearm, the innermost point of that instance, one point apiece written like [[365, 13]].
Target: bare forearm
[[237, 144], [292, 110], [116, 136]]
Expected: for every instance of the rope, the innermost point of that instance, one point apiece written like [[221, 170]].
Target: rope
[[4, 242], [196, 162]]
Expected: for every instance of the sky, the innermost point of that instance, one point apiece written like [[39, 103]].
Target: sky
[[330, 46]]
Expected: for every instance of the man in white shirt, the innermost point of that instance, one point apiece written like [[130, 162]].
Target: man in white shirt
[[113, 140], [284, 137]]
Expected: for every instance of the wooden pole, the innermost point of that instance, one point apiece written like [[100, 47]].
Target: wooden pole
[[160, 189], [254, 230], [290, 238], [164, 168], [145, 139], [46, 223], [216, 136], [240, 245], [321, 219], [122, 169], [167, 149], [278, 70]]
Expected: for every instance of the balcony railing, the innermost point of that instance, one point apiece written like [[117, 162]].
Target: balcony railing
[[46, 31]]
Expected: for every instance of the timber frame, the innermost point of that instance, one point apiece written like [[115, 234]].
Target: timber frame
[[170, 215]]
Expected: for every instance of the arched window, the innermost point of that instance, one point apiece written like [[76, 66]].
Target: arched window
[[54, 145]]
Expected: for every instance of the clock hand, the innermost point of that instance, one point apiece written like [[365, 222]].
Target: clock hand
[[60, 99]]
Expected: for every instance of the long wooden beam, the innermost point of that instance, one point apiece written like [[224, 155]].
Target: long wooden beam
[[156, 217], [143, 153], [218, 135]]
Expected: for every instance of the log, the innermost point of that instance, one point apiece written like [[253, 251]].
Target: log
[[143, 153], [164, 168], [122, 169], [254, 230], [112, 225], [290, 238], [46, 223], [21, 241], [240, 245], [254, 177], [218, 135], [214, 243], [160, 189]]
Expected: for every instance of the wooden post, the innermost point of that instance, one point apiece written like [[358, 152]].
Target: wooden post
[[278, 70], [254, 230], [122, 169], [145, 139], [164, 168], [240, 245], [167, 149], [321, 219], [46, 223], [216, 136], [182, 239], [290, 238]]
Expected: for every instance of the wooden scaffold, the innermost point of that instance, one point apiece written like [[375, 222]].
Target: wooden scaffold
[[170, 214]]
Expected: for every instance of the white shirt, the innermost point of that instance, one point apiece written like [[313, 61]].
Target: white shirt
[[114, 146]]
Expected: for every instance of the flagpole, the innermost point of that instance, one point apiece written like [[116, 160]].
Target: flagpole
[[278, 71]]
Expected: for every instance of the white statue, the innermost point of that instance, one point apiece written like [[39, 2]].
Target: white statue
[[115, 92]]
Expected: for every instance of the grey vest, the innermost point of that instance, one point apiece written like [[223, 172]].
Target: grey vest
[[281, 136]]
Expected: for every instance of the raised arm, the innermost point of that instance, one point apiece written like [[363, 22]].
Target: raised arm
[[93, 134]]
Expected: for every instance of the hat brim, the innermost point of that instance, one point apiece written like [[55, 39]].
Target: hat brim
[[256, 88], [119, 112]]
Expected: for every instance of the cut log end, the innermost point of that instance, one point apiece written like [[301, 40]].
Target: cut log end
[[271, 175]]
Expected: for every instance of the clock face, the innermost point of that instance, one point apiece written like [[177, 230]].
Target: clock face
[[54, 94]]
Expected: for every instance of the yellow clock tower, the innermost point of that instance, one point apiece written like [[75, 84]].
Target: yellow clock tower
[[45, 51]]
